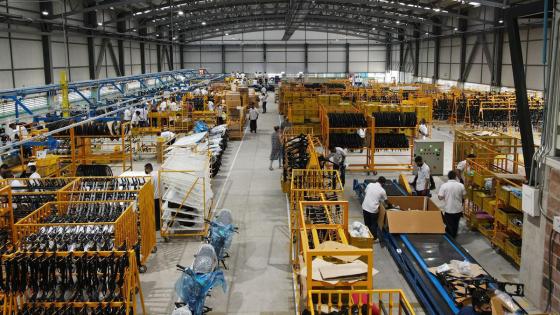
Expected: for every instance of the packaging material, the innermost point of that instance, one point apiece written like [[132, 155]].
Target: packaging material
[[355, 269], [460, 269], [415, 222], [334, 246], [318, 264], [358, 229]]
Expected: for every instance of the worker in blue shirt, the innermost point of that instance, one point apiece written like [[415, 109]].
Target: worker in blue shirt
[[480, 304]]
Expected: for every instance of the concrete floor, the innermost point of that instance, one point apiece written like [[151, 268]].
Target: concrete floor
[[259, 278]]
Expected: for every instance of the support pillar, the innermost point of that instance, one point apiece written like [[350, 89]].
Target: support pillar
[[90, 21], [437, 44], [463, 56], [121, 28], [306, 58], [142, 32], [348, 58], [223, 58]]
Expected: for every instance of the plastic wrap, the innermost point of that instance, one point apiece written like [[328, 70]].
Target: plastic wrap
[[221, 232], [185, 310]]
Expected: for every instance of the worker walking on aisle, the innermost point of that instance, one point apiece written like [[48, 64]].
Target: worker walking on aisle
[[422, 180], [276, 150], [338, 158], [149, 169], [375, 195], [453, 193], [264, 101], [253, 116]]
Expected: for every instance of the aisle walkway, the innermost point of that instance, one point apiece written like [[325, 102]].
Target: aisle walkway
[[259, 277]]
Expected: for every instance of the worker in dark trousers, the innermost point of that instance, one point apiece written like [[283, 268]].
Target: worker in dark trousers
[[375, 195], [337, 157], [149, 169], [453, 193], [422, 180]]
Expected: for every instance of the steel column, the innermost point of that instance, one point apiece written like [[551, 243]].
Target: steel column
[[223, 58], [264, 57], [90, 21], [46, 43], [158, 56], [181, 52], [388, 54], [498, 49], [523, 114], [348, 58], [437, 44], [306, 58], [121, 28], [401, 52], [142, 32]]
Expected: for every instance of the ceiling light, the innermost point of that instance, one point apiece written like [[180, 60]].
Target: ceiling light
[[501, 21], [134, 30], [217, 29], [427, 33], [227, 34], [180, 12], [100, 23], [455, 29], [112, 8], [153, 21], [437, 9], [174, 37], [203, 23], [45, 13], [398, 22], [157, 35], [373, 28]]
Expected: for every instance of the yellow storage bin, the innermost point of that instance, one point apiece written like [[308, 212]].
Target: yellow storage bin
[[514, 201], [478, 198], [503, 195], [503, 216], [513, 227], [489, 205]]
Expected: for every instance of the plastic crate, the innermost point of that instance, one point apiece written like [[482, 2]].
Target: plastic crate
[[489, 205], [503, 195], [514, 228], [514, 201], [503, 215]]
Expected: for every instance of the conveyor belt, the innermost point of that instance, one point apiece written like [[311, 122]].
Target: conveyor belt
[[414, 254]]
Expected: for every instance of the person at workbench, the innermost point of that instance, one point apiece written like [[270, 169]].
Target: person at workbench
[[480, 305], [422, 180], [453, 193], [375, 195], [149, 169]]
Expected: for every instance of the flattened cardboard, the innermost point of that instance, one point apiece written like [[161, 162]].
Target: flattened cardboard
[[353, 269], [415, 222], [333, 246]]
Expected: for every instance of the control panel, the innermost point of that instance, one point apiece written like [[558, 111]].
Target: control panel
[[432, 152]]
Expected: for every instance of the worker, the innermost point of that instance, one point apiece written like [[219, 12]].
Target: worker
[[263, 89], [276, 150], [422, 180], [462, 168], [219, 112], [149, 169], [480, 304], [13, 182], [4, 170], [135, 121], [423, 129], [31, 170], [173, 106], [211, 106], [163, 106], [453, 193], [338, 158], [375, 195], [10, 131], [127, 114], [253, 116], [264, 101]]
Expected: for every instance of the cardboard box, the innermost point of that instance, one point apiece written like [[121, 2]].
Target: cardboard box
[[361, 242], [415, 222], [407, 203]]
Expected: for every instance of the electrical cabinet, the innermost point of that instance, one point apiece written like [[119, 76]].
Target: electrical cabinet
[[432, 152]]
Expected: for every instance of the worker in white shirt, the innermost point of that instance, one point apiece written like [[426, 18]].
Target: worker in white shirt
[[263, 89], [10, 131], [423, 129], [453, 193], [31, 170], [135, 121], [219, 111], [211, 106], [337, 157], [462, 168], [253, 116], [173, 106], [375, 195], [422, 179], [149, 169], [163, 106], [127, 114]]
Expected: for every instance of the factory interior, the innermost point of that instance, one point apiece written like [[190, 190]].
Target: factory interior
[[275, 157]]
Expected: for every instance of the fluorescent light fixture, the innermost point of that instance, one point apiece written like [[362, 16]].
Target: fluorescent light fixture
[[398, 22], [501, 21], [134, 30], [373, 28], [112, 8], [180, 12], [474, 4], [203, 23], [100, 23], [45, 13], [427, 33], [456, 29], [227, 34], [437, 9], [157, 35], [174, 37], [217, 29]]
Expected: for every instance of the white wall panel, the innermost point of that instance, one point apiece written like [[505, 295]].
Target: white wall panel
[[29, 77], [336, 67], [317, 67], [296, 56], [358, 66], [275, 67], [27, 54], [253, 56], [474, 75], [212, 56], [79, 74], [377, 66], [5, 62], [336, 56], [455, 72], [295, 67]]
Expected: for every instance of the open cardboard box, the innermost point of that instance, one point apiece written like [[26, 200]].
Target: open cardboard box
[[418, 215]]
